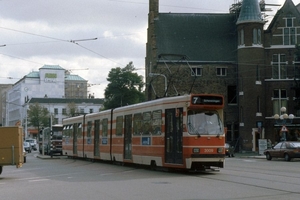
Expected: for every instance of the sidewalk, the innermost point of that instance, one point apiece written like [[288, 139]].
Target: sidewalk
[[249, 155], [48, 157]]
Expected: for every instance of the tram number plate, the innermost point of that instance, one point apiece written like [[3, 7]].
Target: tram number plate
[[208, 150]]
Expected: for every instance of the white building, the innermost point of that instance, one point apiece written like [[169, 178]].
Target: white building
[[51, 82]]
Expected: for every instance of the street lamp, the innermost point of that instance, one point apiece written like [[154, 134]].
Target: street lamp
[[154, 74], [283, 119]]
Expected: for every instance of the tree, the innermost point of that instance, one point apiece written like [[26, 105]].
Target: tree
[[72, 109], [38, 116], [125, 87]]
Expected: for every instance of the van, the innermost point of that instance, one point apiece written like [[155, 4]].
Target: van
[[32, 142]]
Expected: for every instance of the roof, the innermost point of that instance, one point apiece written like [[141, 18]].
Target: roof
[[250, 12], [201, 37], [63, 100], [70, 77], [33, 74], [56, 67]]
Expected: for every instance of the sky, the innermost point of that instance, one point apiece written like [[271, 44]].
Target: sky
[[88, 37]]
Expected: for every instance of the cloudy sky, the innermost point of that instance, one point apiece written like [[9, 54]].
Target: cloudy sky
[[39, 32]]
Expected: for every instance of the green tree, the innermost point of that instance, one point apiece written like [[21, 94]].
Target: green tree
[[72, 109], [38, 116], [125, 87]]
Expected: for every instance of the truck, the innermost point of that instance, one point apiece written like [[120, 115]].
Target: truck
[[50, 140], [11, 146]]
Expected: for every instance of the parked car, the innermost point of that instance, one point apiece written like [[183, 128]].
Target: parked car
[[32, 142], [27, 147], [284, 149], [229, 150]]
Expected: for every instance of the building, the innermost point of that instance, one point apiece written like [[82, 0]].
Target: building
[[50, 86], [59, 109], [3, 90], [234, 54]]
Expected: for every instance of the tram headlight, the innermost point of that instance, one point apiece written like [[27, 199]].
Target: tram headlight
[[220, 150], [196, 150]]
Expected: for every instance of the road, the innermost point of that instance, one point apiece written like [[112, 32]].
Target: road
[[242, 178]]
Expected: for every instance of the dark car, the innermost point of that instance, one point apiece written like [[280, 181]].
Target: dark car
[[284, 149], [229, 150], [27, 147]]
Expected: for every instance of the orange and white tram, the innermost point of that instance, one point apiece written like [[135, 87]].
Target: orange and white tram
[[183, 132]]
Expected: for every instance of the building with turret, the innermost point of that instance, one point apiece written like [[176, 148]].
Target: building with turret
[[235, 54]]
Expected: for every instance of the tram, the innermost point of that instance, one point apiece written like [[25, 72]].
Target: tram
[[182, 132]]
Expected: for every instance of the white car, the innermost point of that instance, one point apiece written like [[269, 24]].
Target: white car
[[32, 143]]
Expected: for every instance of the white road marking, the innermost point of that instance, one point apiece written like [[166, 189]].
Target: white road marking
[[37, 180]]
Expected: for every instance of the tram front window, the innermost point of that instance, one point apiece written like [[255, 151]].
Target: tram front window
[[204, 123]]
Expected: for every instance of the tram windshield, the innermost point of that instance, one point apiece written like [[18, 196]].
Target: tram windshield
[[204, 123]]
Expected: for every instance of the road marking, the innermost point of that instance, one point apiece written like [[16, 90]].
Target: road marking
[[250, 160], [37, 180]]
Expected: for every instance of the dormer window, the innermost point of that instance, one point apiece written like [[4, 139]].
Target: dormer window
[[289, 32]]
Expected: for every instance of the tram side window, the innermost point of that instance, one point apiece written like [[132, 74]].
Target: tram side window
[[65, 131], [70, 131], [156, 125], [89, 129], [147, 125], [104, 127], [79, 133], [138, 124], [119, 125]]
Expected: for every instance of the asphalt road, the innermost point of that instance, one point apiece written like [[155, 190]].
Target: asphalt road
[[62, 178]]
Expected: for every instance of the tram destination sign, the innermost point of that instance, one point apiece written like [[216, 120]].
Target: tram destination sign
[[207, 100]]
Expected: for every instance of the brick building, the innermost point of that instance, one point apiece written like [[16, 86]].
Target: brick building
[[255, 67]]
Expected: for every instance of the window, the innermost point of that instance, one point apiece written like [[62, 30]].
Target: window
[[91, 110], [257, 73], [221, 71], [89, 132], [55, 121], [279, 100], [119, 126], [64, 111], [81, 110], [289, 33], [157, 121], [241, 37], [79, 133], [256, 36], [137, 124], [55, 111], [104, 127], [241, 115], [279, 66], [147, 123], [196, 71], [231, 90], [258, 104]]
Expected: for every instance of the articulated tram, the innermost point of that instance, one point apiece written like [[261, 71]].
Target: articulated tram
[[182, 132]]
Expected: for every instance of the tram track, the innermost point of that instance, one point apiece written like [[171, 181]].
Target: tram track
[[287, 183]]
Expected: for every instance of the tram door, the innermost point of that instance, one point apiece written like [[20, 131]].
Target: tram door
[[127, 136], [173, 136], [96, 138], [75, 130]]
